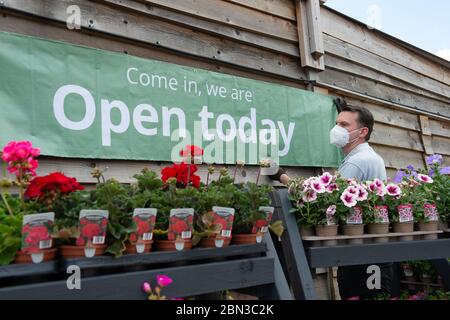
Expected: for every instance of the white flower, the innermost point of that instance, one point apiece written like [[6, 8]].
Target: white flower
[[326, 178], [362, 193], [309, 196], [317, 186], [393, 190], [424, 178], [348, 199]]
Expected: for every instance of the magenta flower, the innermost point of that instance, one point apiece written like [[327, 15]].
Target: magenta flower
[[325, 179], [163, 280], [424, 178], [362, 193], [309, 195], [331, 187], [146, 287], [348, 199], [331, 210], [20, 157], [352, 190], [393, 190]]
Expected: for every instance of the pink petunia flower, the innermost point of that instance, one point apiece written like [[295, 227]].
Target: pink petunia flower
[[326, 179], [393, 190], [424, 178], [309, 195], [348, 199], [317, 186], [362, 193]]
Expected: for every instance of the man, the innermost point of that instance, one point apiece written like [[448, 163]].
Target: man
[[354, 126]]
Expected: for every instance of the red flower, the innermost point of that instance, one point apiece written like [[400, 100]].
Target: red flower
[[180, 172], [37, 234], [91, 230], [180, 226], [191, 150], [143, 227], [80, 241], [133, 237], [54, 182]]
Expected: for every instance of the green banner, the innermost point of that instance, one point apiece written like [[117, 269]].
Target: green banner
[[73, 101]]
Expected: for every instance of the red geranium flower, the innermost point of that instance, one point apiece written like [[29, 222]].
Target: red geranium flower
[[180, 172], [91, 230], [54, 182], [143, 227]]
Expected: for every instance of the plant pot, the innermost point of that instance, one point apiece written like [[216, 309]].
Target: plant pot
[[403, 227], [378, 228], [443, 225], [213, 242], [134, 248], [81, 251], [353, 229], [427, 225], [170, 245], [306, 231], [251, 238], [42, 256], [327, 230]]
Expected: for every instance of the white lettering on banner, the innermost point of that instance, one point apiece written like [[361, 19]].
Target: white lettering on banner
[[226, 127]]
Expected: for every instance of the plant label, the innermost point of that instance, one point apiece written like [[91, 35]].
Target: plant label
[[144, 221], [381, 214], [405, 213], [430, 212], [223, 218], [36, 231], [92, 226], [180, 223], [262, 224], [355, 216]]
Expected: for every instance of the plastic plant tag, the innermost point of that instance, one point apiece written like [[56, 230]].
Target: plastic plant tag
[[92, 226], [430, 212], [36, 231], [223, 218], [405, 213], [144, 220], [381, 214], [219, 243], [262, 225], [355, 216], [180, 223], [259, 237]]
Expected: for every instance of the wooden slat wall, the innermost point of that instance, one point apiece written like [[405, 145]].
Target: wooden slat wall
[[258, 39]]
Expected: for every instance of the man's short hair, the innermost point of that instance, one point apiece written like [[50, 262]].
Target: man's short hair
[[365, 117]]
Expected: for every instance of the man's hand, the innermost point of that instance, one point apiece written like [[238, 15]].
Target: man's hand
[[277, 176]]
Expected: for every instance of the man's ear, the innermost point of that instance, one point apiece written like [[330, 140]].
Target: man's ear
[[364, 131]]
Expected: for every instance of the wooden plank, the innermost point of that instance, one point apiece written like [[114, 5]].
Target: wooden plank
[[212, 27], [383, 66], [19, 23], [215, 277], [281, 8], [375, 89], [441, 145], [159, 33], [347, 66], [385, 114], [399, 158], [314, 28], [369, 236], [154, 258], [234, 15], [424, 125], [123, 170], [304, 38], [439, 128], [358, 34], [395, 137], [379, 253]]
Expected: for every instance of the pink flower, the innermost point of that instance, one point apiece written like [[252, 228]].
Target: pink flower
[[378, 183], [371, 186], [424, 178], [331, 187], [393, 190], [331, 210], [317, 186], [326, 179], [381, 192], [146, 287], [352, 190], [163, 280], [307, 182], [362, 193], [309, 195], [348, 199]]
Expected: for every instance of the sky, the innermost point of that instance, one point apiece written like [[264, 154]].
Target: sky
[[424, 24]]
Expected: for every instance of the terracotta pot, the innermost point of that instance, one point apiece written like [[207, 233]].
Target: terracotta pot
[[79, 252], [306, 231], [47, 255], [146, 246], [353, 229], [210, 242], [403, 227], [169, 245], [427, 226], [251, 238], [327, 230], [378, 228]]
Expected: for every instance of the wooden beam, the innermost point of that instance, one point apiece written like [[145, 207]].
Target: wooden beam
[[310, 56], [426, 134]]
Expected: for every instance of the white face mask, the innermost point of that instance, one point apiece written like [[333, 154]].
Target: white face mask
[[340, 137]]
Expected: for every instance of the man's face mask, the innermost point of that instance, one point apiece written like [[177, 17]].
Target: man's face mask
[[340, 137]]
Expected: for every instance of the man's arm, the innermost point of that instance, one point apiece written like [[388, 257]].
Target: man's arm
[[280, 176]]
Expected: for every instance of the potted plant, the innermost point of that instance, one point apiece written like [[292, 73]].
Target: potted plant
[[375, 209], [316, 203], [250, 217], [353, 196], [144, 215], [215, 215], [425, 209], [400, 199], [440, 186], [10, 227]]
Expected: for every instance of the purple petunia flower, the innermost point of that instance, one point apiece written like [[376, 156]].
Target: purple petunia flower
[[399, 176], [435, 158], [410, 167], [445, 170]]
